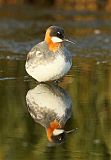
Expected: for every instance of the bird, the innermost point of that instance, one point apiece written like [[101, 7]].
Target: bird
[[50, 106], [49, 60]]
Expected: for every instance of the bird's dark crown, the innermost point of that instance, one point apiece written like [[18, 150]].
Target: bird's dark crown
[[58, 138], [56, 31]]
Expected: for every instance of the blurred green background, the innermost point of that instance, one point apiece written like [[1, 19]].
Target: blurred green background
[[92, 5]]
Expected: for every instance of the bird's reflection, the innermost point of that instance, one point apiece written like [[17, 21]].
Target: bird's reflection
[[50, 106]]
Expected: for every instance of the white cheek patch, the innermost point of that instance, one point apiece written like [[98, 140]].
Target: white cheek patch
[[57, 131], [56, 39]]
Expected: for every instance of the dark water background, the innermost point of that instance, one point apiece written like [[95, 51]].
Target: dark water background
[[88, 83]]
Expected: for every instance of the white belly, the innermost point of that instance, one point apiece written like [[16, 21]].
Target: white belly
[[47, 99], [50, 71]]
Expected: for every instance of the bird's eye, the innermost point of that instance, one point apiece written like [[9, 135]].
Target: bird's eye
[[59, 138], [59, 34]]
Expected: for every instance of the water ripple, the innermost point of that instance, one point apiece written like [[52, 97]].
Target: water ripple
[[16, 47]]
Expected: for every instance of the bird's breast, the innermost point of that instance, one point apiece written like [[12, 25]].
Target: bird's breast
[[48, 103], [50, 69]]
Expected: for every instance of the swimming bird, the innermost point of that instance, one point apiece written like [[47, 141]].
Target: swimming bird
[[49, 60], [50, 106]]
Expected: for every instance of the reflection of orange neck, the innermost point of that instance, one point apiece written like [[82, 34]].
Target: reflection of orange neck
[[52, 46], [50, 129]]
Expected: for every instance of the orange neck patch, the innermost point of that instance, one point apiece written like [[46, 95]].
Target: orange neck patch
[[52, 46], [53, 125]]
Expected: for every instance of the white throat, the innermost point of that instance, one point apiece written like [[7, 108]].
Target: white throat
[[56, 39], [57, 131]]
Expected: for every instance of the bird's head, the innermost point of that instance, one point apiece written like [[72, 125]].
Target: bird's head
[[54, 37], [55, 133]]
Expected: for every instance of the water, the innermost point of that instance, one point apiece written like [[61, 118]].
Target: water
[[88, 84]]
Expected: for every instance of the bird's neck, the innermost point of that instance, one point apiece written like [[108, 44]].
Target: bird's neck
[[51, 45], [50, 129]]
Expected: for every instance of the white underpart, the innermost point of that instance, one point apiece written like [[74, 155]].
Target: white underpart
[[38, 52], [56, 39], [57, 131], [49, 71], [44, 98]]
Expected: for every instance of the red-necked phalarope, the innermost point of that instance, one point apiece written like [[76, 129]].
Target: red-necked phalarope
[[49, 60], [51, 107]]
